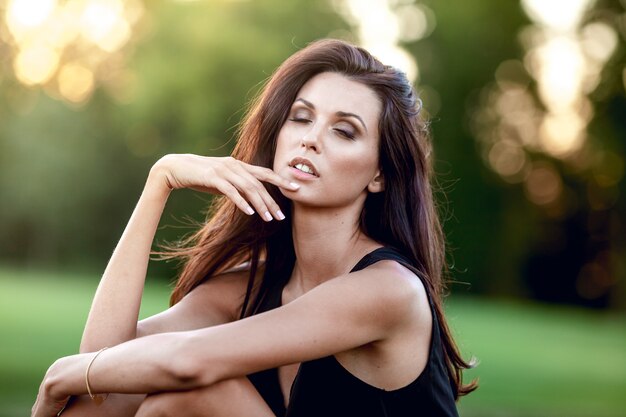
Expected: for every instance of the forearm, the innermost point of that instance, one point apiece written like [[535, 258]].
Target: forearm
[[115, 308], [146, 365]]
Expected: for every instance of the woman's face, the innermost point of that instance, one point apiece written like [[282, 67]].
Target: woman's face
[[329, 142]]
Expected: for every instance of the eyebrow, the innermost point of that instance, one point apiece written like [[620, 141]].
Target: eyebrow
[[339, 113]]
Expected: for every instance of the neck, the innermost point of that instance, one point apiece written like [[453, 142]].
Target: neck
[[327, 243]]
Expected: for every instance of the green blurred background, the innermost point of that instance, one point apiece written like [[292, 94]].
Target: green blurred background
[[528, 113]]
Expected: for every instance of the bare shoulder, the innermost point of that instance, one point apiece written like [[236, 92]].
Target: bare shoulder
[[397, 296], [223, 293], [216, 301]]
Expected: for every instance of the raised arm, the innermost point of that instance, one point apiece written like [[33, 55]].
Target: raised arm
[[115, 307]]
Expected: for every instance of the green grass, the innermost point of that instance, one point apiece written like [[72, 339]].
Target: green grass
[[41, 319], [535, 360], [538, 360]]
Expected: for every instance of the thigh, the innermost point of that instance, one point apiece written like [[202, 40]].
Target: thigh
[[230, 398], [119, 405]]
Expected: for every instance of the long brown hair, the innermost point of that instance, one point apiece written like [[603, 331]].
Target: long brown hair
[[404, 216]]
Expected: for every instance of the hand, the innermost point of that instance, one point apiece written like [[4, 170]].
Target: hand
[[240, 182], [47, 405]]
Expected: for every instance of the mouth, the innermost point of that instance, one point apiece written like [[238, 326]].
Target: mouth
[[304, 165]]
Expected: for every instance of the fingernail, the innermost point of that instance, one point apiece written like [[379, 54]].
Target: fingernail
[[294, 185], [268, 216], [249, 210], [280, 215]]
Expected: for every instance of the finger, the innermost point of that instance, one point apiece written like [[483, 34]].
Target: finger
[[267, 175], [233, 195], [252, 193], [256, 193]]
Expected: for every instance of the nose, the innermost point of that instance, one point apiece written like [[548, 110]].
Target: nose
[[311, 139]]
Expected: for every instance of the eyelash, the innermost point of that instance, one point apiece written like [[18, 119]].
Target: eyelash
[[345, 133], [342, 132]]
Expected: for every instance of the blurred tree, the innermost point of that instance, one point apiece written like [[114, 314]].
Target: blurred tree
[[523, 121], [70, 175], [456, 61]]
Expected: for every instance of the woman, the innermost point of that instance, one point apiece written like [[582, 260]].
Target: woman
[[314, 289]]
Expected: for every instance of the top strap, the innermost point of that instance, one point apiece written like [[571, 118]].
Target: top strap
[[388, 253], [380, 254]]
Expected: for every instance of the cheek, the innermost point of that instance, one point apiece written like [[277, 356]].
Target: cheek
[[359, 166]]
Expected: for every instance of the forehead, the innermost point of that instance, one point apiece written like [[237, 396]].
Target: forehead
[[332, 92]]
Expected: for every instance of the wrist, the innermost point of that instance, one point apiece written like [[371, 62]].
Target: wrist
[[98, 399], [55, 384], [156, 182]]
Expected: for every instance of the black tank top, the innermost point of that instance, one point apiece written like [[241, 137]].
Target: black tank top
[[323, 387]]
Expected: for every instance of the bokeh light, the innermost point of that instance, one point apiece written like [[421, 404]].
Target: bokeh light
[[75, 82], [35, 64], [508, 159], [47, 36], [565, 59], [102, 22], [23, 15], [521, 124], [558, 15], [543, 184], [380, 26]]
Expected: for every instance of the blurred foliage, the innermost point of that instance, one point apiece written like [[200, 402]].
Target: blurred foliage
[[571, 250], [70, 174], [458, 59]]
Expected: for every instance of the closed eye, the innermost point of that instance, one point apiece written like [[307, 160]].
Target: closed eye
[[299, 120], [345, 133]]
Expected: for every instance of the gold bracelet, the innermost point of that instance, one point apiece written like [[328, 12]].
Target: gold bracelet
[[98, 399]]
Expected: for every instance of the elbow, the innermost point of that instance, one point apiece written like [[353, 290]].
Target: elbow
[[189, 367], [184, 373]]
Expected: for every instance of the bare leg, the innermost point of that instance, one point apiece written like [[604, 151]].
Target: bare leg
[[118, 405], [230, 398]]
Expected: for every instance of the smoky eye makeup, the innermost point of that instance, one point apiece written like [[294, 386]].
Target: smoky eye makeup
[[300, 113], [346, 129]]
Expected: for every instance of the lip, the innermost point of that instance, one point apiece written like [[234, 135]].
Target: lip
[[300, 160]]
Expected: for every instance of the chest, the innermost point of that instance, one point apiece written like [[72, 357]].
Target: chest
[[286, 376]]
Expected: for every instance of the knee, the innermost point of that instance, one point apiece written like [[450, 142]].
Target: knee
[[160, 405], [210, 400]]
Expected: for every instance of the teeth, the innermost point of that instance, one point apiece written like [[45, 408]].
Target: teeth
[[304, 168]]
